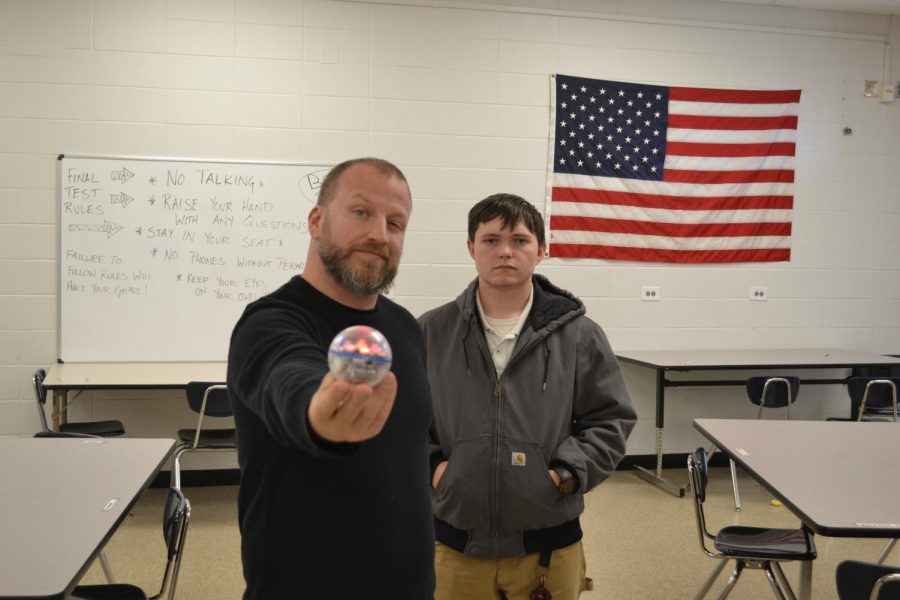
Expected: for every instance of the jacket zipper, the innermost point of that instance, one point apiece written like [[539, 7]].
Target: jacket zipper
[[496, 516]]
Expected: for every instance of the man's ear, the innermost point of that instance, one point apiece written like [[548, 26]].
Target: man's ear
[[314, 220], [471, 246], [542, 252]]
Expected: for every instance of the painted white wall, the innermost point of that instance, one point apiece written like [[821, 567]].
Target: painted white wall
[[457, 95]]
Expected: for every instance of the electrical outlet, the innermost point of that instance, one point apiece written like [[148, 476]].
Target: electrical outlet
[[759, 293], [650, 293]]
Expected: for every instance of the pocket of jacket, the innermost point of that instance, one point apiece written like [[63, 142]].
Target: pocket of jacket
[[462, 496], [528, 497]]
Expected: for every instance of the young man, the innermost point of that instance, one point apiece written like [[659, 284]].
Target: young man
[[530, 413], [334, 498]]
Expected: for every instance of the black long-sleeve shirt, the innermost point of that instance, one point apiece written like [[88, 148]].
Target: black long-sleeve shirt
[[318, 519]]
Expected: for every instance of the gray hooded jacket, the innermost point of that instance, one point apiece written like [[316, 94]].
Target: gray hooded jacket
[[560, 401]]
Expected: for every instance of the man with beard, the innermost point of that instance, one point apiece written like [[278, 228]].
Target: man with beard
[[334, 498]]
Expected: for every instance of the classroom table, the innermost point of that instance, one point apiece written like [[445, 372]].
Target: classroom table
[[839, 478], [63, 377], [705, 361], [60, 502]]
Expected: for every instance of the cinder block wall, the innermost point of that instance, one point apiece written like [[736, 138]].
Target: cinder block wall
[[457, 94]]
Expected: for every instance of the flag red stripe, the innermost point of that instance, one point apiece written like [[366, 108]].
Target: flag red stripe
[[699, 177], [564, 194], [731, 150], [734, 96], [670, 256], [681, 230], [732, 123]]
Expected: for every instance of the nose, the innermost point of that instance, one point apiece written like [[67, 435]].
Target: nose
[[505, 249], [378, 231]]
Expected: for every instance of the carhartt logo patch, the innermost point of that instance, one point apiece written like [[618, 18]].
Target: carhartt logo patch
[[518, 459]]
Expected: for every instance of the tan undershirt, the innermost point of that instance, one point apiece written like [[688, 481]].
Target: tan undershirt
[[501, 334]]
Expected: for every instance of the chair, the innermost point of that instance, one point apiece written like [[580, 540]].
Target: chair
[[766, 392], [873, 398], [750, 547], [98, 428], [206, 399], [62, 434], [176, 516], [867, 581], [773, 392]]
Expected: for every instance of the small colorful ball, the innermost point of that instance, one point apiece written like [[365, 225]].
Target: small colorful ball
[[360, 354]]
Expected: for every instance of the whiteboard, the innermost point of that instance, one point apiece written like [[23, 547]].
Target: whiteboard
[[159, 257]]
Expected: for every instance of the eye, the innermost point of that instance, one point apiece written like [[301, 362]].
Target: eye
[[396, 225], [360, 212]]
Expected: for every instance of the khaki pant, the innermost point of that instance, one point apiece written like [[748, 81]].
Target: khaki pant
[[461, 577]]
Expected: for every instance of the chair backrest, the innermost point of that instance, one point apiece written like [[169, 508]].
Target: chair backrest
[[698, 469], [176, 517], [63, 434], [40, 394], [882, 391], [216, 394], [698, 472], [856, 581], [874, 372], [773, 392]]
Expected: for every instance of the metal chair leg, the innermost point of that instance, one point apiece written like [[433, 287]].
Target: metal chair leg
[[176, 466], [884, 553], [734, 486], [732, 581], [785, 584], [773, 582], [177, 471], [177, 566], [107, 570], [711, 578]]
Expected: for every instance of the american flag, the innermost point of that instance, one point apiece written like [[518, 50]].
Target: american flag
[[670, 174]]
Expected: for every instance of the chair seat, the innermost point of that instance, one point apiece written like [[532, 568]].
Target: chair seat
[[209, 438], [765, 543], [880, 410], [101, 428], [113, 591]]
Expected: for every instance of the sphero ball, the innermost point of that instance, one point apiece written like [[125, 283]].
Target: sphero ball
[[360, 354]]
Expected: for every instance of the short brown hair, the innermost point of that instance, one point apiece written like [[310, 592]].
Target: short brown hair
[[326, 191], [512, 209]]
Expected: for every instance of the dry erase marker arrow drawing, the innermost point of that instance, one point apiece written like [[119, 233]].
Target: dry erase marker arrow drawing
[[110, 229], [123, 199], [123, 175]]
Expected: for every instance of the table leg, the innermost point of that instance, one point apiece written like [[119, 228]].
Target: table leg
[[60, 409], [656, 478], [806, 567]]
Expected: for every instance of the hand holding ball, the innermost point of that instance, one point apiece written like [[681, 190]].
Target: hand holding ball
[[342, 410], [360, 354]]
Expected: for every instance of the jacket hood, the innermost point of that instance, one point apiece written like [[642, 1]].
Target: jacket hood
[[551, 308]]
